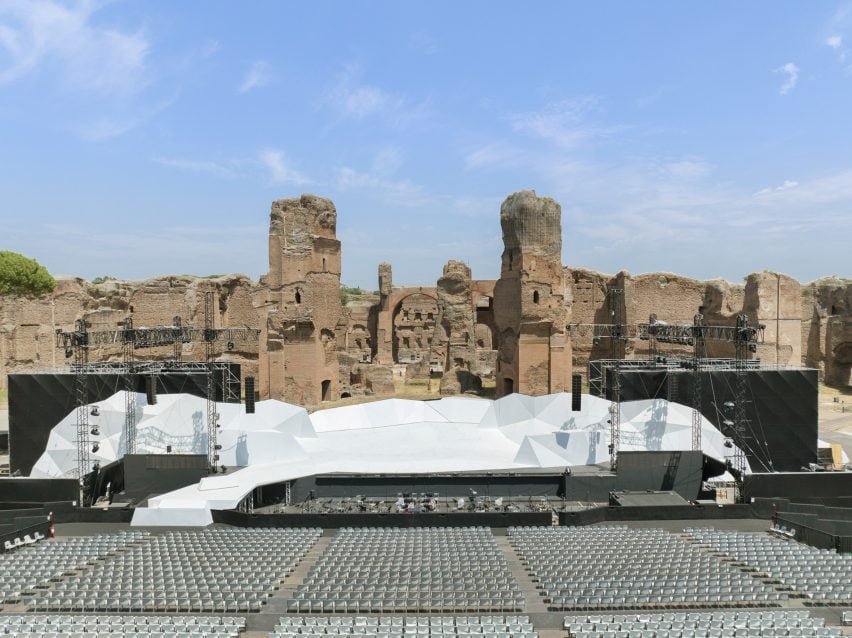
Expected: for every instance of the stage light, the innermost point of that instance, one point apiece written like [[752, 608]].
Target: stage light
[[727, 423], [69, 352], [96, 447], [752, 347], [728, 406], [96, 431], [95, 411], [230, 345], [596, 341], [728, 443], [217, 447]]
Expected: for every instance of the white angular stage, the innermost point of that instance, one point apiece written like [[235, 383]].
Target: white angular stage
[[281, 442]]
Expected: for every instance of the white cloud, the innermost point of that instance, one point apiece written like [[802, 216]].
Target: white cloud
[[836, 43], [563, 123], [787, 185], [387, 161], [193, 166], [122, 121], [792, 72], [258, 75], [688, 168], [279, 169], [395, 192], [90, 56], [423, 42], [353, 99], [495, 155]]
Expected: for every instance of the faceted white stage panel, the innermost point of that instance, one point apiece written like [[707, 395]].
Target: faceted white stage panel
[[281, 442]]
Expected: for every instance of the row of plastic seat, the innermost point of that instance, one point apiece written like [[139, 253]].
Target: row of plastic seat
[[85, 626], [406, 627], [822, 575], [704, 625], [217, 570], [35, 565], [619, 567], [419, 569]]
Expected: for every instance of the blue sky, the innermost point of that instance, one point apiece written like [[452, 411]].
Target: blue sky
[[148, 138]]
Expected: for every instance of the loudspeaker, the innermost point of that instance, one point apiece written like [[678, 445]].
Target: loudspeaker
[[576, 390], [151, 390], [249, 389]]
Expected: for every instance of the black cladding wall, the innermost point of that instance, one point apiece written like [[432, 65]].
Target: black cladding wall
[[38, 401], [781, 407], [680, 472]]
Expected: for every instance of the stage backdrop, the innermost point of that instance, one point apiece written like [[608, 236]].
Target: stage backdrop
[[38, 401], [781, 407]]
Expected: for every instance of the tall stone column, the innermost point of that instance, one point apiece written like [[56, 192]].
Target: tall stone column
[[530, 308], [458, 326], [304, 301]]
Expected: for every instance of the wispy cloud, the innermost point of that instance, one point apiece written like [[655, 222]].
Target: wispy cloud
[[280, 171], [124, 119], [792, 73], [423, 42], [688, 168], [786, 185], [387, 161], [396, 192], [835, 42], [258, 75], [565, 123], [354, 99], [194, 166], [351, 98], [495, 155], [90, 56]]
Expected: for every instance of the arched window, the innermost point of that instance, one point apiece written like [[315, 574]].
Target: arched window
[[298, 296], [535, 296], [323, 264]]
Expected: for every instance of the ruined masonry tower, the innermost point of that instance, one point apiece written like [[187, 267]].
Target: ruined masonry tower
[[303, 308], [530, 308]]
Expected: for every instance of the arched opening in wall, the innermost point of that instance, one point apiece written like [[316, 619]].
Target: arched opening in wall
[[833, 310], [323, 264], [508, 386], [326, 390], [345, 395], [535, 296], [298, 296]]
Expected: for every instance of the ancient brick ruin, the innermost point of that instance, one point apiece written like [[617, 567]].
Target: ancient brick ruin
[[510, 333]]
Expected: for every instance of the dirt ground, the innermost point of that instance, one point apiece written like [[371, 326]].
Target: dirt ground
[[835, 416]]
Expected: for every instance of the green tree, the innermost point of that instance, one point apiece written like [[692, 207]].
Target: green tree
[[21, 275]]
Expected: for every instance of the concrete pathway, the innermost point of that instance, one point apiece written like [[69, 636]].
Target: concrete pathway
[[276, 606]]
